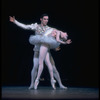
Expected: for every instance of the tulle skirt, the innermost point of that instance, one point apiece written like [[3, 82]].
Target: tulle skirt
[[41, 39]]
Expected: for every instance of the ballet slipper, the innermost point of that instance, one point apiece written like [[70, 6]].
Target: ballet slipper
[[63, 87], [31, 86]]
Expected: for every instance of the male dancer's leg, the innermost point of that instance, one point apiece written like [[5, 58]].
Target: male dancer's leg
[[34, 69]]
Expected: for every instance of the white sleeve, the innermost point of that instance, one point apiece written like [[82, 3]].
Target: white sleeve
[[29, 27]]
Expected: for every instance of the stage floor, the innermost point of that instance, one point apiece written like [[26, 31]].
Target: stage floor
[[44, 92]]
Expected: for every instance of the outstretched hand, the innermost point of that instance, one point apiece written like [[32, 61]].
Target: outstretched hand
[[68, 41], [12, 19]]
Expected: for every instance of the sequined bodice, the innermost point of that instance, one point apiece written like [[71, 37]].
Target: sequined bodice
[[41, 29]]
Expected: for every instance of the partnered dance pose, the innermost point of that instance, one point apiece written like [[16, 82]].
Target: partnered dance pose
[[40, 29]]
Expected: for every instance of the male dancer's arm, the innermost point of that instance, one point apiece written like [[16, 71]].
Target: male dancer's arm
[[28, 27]]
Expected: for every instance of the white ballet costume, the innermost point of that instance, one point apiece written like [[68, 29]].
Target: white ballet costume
[[45, 38]]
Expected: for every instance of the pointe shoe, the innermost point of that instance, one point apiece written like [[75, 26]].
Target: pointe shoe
[[36, 84], [53, 83], [63, 87]]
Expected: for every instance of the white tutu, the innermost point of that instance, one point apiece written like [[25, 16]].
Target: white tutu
[[42, 39]]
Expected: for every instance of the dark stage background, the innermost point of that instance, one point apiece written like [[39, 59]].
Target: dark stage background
[[77, 63]]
